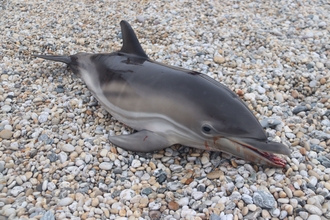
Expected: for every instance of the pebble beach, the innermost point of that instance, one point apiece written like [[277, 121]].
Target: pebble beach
[[55, 158]]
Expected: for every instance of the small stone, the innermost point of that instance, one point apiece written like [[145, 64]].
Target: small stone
[[214, 175], [279, 97], [154, 205], [288, 191], [247, 199], [275, 212], [146, 191], [173, 186], [264, 199], [295, 94], [197, 195], [81, 41], [95, 202], [65, 202], [173, 205], [314, 217], [28, 175], [136, 163], [261, 90], [313, 209], [144, 202], [103, 152], [48, 216], [62, 156], [16, 190], [252, 207], [265, 214], [183, 201], [245, 211], [43, 117], [250, 96], [127, 194], [298, 193], [8, 211], [140, 18], [319, 65], [6, 134], [154, 215], [215, 217], [298, 109], [322, 24], [68, 148], [6, 108], [219, 59], [106, 166]]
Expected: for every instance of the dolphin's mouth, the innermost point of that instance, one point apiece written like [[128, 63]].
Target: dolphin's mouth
[[270, 157], [250, 149]]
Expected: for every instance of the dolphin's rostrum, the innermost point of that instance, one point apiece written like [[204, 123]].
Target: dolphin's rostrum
[[169, 105]]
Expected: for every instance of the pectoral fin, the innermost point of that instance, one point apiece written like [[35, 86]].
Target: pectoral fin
[[141, 141]]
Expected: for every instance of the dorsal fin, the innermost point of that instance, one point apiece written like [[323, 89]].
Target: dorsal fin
[[131, 44]]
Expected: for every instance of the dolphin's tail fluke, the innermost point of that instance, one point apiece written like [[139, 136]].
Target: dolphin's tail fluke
[[63, 59]]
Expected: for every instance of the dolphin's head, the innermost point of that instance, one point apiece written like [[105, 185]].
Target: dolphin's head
[[222, 122]]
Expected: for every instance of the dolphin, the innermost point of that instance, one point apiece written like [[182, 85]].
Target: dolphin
[[169, 105]]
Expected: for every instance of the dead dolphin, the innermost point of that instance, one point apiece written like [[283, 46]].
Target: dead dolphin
[[169, 105]]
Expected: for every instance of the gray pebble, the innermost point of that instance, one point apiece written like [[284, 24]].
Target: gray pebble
[[62, 157], [247, 199], [197, 195], [106, 166], [6, 108], [136, 163], [264, 199], [146, 191], [68, 148], [65, 201], [298, 109], [48, 216], [215, 217], [127, 194], [52, 157], [173, 186]]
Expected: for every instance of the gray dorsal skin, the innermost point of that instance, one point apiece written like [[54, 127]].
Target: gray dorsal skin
[[169, 105]]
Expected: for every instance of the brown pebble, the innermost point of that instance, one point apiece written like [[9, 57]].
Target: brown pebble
[[233, 163], [282, 194], [95, 202], [324, 100], [219, 59], [188, 181], [299, 134], [122, 212], [239, 92], [214, 175], [113, 150], [303, 151], [245, 211], [173, 205], [84, 216], [323, 81], [265, 214], [295, 94], [154, 215], [298, 193], [152, 165]]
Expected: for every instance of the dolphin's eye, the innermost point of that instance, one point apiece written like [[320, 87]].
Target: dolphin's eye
[[206, 129]]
